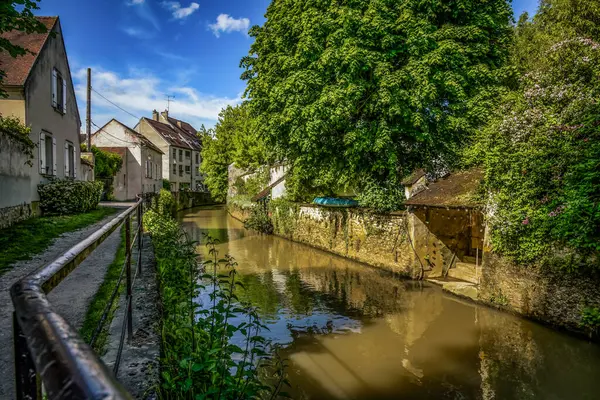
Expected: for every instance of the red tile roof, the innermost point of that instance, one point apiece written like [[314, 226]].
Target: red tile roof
[[188, 130], [17, 69], [458, 189]]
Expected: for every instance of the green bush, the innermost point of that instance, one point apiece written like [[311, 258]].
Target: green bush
[[381, 198], [259, 220], [590, 320], [166, 184], [15, 130], [61, 197], [199, 359]]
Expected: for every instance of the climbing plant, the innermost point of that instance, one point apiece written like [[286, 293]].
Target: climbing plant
[[13, 129]]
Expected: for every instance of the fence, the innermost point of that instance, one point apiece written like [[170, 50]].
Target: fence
[[48, 351]]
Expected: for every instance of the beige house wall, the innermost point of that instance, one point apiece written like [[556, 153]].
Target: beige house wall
[[33, 104], [131, 180]]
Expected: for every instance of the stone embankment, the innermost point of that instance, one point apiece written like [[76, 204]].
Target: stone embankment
[[404, 244]]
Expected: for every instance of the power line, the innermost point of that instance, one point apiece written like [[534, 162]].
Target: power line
[[119, 107], [113, 136]]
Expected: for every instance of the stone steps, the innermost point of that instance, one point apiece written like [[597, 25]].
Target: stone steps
[[464, 271]]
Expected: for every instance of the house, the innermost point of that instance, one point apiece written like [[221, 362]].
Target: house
[[142, 160], [179, 141], [447, 225], [41, 94]]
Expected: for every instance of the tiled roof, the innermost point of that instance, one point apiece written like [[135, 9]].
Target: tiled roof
[[17, 69], [143, 139], [458, 189], [174, 135], [414, 177], [188, 130]]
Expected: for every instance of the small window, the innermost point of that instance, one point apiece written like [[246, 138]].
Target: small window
[[174, 169], [180, 170], [180, 155], [187, 155], [70, 167], [197, 158], [47, 152], [59, 92], [188, 169], [175, 154]]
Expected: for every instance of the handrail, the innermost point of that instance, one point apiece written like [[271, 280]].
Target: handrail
[[48, 349]]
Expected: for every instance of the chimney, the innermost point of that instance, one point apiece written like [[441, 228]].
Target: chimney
[[155, 115], [179, 123], [165, 115]]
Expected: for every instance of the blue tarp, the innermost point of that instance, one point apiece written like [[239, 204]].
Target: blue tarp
[[335, 202]]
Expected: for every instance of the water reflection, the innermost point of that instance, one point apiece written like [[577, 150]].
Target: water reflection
[[354, 332]]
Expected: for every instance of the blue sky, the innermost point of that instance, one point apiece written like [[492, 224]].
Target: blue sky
[[143, 50]]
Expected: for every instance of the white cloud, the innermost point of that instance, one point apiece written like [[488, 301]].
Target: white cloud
[[138, 32], [139, 93], [180, 12], [134, 2], [227, 24]]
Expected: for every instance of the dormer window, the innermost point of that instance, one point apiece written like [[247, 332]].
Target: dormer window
[[59, 92]]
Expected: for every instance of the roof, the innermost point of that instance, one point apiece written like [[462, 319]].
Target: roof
[[174, 135], [122, 151], [143, 139], [267, 191], [458, 189], [17, 69], [414, 177]]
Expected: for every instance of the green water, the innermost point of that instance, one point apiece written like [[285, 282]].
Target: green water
[[355, 332]]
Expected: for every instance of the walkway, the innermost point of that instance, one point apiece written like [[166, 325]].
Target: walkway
[[71, 298]]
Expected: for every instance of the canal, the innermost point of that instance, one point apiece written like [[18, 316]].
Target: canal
[[351, 331]]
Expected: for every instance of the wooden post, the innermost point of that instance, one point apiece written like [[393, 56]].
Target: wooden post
[[88, 120]]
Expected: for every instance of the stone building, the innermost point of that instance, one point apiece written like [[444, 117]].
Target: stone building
[[181, 146], [41, 94], [142, 160]]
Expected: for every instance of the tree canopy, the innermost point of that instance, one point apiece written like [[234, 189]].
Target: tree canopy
[[369, 89]]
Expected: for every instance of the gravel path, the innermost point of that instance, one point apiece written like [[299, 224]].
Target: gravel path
[[71, 297]]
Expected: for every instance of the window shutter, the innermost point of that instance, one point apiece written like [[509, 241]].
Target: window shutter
[[54, 89], [54, 156], [66, 160], [64, 99], [75, 163], [42, 149]]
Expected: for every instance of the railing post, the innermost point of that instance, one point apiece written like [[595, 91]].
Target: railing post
[[26, 378], [129, 283], [140, 233]]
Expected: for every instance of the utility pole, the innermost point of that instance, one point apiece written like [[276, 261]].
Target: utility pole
[[89, 110]]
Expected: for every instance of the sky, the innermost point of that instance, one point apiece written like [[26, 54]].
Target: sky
[[142, 51]]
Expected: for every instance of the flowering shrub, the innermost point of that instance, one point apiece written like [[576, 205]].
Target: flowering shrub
[[69, 197], [542, 158]]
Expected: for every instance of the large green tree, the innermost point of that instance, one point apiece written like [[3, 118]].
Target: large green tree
[[17, 15], [233, 140], [541, 148], [353, 89]]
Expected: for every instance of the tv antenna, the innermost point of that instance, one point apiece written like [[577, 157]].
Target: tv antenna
[[169, 102]]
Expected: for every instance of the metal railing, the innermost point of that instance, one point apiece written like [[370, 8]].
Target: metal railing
[[48, 350]]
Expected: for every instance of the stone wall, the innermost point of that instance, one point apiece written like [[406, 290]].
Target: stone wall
[[187, 200], [14, 214], [541, 293], [377, 240]]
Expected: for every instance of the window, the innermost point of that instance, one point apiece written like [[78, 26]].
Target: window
[[180, 155], [70, 167], [174, 169], [174, 154], [148, 169], [187, 155], [180, 170], [197, 158], [47, 150], [188, 169], [59, 92]]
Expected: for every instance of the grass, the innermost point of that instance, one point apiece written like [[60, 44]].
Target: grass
[[23, 240], [101, 299]]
